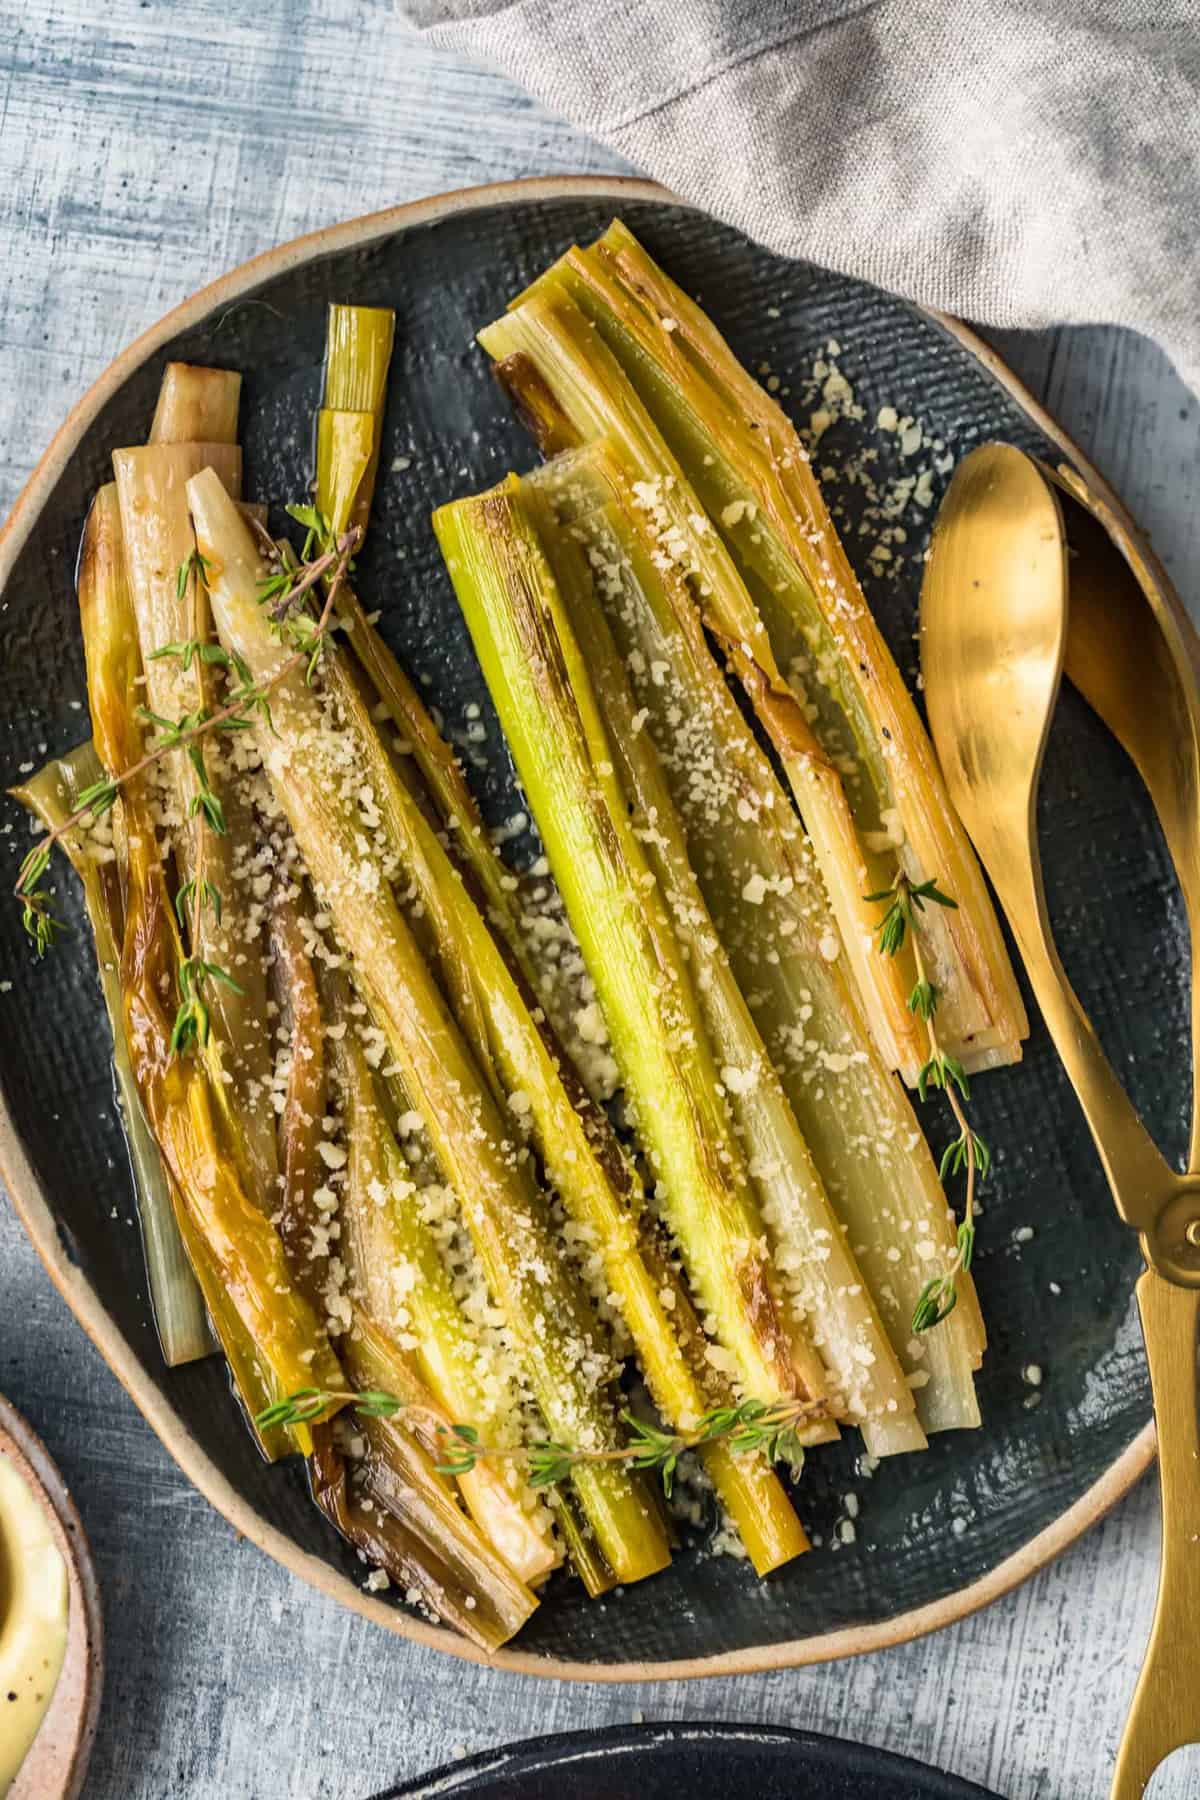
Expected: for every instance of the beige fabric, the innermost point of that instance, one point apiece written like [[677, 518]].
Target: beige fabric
[[1020, 162]]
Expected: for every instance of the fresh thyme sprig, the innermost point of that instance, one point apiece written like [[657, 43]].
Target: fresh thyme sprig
[[194, 567], [37, 919], [752, 1427], [904, 900], [197, 972], [308, 636], [191, 1027]]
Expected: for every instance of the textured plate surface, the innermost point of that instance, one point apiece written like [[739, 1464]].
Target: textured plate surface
[[711, 1762], [936, 1534]]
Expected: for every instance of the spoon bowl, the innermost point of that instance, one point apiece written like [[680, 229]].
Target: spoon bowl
[[993, 638]]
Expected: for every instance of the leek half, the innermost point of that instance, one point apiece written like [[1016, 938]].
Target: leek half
[[395, 1267], [53, 794], [171, 608]]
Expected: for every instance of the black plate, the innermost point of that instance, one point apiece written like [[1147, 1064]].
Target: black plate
[[706, 1762], [930, 1527]]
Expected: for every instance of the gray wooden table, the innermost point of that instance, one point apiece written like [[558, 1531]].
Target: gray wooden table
[[144, 148]]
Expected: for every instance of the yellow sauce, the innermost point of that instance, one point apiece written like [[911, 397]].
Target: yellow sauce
[[33, 1619]]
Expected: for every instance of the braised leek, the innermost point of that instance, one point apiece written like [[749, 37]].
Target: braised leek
[[196, 406], [578, 1149], [183, 1098], [172, 611], [358, 351], [395, 1266], [53, 795], [354, 371], [495, 1008]]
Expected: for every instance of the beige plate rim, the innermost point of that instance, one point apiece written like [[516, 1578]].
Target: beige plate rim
[[35, 1214]]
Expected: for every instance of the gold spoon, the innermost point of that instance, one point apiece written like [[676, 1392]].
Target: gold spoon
[[993, 636]]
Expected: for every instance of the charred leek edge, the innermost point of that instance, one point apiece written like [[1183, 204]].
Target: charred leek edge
[[763, 497], [578, 1148], [373, 1360], [194, 1137], [394, 1265], [183, 1099], [858, 1123], [300, 1131], [183, 1332], [196, 406], [253, 1385], [171, 610], [113, 675], [478, 1152], [817, 1269], [544, 699], [399, 1514]]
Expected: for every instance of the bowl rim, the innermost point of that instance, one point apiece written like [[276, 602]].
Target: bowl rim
[[33, 1209], [551, 1752]]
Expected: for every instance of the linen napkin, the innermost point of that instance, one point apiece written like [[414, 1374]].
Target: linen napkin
[[1019, 162]]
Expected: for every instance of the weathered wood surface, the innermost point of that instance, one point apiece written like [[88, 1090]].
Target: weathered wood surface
[[143, 149]]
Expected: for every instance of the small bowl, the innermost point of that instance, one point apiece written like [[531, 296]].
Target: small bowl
[[58, 1757]]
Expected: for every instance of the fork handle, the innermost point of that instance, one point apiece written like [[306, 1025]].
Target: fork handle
[[1165, 1713]]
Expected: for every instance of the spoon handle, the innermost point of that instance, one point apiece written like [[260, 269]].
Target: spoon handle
[[1165, 1713]]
